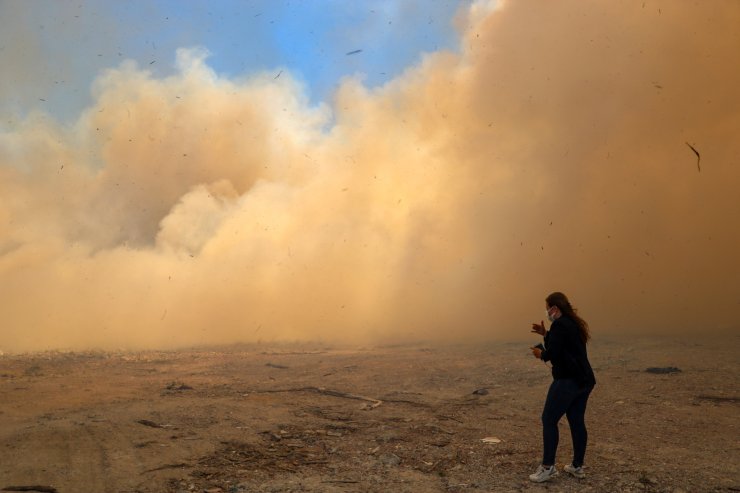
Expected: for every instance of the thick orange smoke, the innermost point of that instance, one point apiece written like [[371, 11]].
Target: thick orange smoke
[[552, 153]]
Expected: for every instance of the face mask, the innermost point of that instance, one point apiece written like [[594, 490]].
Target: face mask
[[549, 317]]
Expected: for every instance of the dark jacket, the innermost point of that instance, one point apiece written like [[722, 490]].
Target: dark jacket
[[567, 352]]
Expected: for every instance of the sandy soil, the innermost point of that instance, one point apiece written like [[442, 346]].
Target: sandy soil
[[401, 419]]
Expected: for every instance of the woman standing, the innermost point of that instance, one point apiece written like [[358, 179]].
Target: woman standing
[[573, 380]]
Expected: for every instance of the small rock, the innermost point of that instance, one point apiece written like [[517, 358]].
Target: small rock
[[178, 386], [390, 459], [648, 480]]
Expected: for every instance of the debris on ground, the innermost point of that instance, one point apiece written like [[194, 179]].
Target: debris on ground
[[279, 367], [718, 398], [178, 386], [662, 370], [249, 427], [43, 489], [152, 424]]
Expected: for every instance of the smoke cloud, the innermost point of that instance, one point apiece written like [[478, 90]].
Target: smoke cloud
[[551, 153]]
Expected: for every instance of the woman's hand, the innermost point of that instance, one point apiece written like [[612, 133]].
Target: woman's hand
[[537, 352], [539, 328]]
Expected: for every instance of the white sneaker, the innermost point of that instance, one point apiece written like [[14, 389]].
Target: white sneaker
[[575, 471], [543, 474]]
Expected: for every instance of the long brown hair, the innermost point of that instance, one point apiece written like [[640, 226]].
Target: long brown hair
[[561, 301]]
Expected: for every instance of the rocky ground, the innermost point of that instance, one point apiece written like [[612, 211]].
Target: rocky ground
[[311, 418]]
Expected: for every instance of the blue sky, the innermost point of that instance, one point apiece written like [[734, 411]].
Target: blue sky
[[53, 49]]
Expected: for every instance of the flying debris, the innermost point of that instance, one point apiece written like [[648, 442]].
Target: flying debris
[[353, 52], [698, 156]]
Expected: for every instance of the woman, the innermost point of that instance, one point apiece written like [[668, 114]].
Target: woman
[[573, 380]]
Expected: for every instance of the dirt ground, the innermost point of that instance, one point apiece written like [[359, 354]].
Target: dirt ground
[[290, 418]]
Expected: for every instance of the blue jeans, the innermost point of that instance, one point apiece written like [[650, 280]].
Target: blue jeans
[[565, 397]]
